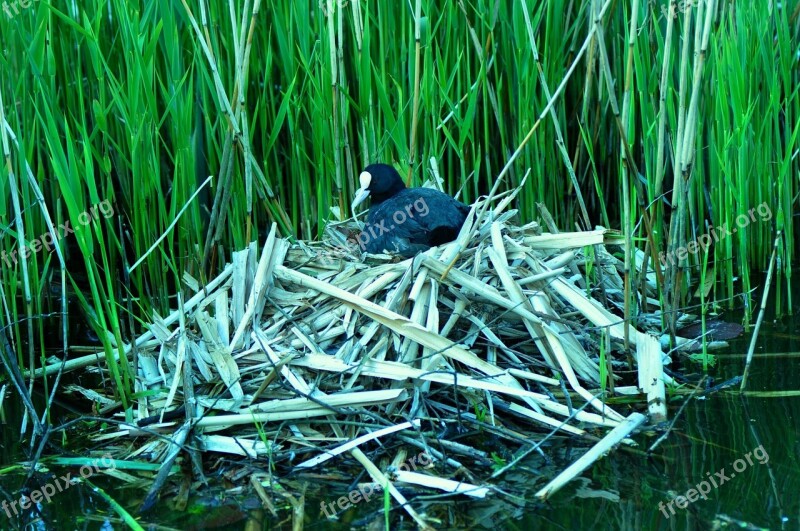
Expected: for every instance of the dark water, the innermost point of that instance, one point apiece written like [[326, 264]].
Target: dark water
[[626, 490], [709, 439]]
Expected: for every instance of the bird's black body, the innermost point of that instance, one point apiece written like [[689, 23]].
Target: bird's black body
[[404, 220]]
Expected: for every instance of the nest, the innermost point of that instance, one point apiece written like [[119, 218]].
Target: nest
[[305, 354]]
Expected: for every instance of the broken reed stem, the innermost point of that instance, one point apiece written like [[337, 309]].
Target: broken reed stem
[[627, 226], [412, 143], [761, 311], [349, 168], [684, 167], [629, 158], [337, 156], [662, 106], [674, 232], [658, 211], [633, 168]]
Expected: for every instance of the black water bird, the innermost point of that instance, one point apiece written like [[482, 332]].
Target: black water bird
[[404, 220]]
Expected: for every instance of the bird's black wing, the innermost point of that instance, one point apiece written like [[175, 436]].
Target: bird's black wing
[[413, 221], [444, 216], [390, 228]]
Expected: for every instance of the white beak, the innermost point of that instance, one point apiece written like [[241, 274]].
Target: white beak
[[362, 194]]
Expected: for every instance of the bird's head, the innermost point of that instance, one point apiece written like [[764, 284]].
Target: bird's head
[[379, 182]]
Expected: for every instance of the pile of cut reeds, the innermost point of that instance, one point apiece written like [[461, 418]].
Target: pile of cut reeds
[[299, 352]]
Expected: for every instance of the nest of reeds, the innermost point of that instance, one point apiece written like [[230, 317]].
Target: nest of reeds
[[307, 353]]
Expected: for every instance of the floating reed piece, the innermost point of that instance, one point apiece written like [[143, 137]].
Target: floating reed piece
[[311, 350]]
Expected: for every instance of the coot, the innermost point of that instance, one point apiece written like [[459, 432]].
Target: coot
[[404, 220]]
